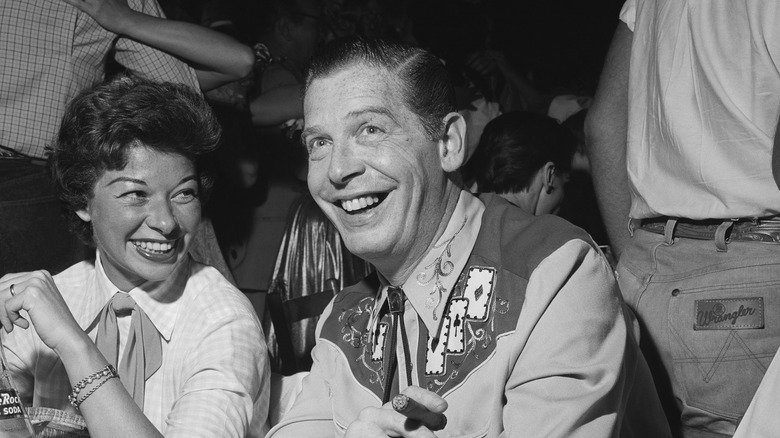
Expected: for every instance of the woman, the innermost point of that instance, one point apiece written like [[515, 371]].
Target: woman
[[187, 344]]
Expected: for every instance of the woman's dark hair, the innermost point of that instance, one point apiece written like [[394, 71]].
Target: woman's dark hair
[[514, 146], [427, 89], [103, 123]]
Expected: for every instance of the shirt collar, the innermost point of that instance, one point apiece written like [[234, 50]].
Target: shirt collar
[[158, 299], [431, 283]]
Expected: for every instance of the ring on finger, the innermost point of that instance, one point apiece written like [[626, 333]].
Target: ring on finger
[[11, 289]]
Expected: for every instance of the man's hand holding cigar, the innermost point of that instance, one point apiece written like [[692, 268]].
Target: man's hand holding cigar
[[415, 413]]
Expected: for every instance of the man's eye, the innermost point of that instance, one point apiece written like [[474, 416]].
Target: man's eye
[[372, 130], [317, 148]]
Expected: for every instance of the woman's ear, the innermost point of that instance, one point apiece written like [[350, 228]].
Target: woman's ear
[[84, 215], [452, 145]]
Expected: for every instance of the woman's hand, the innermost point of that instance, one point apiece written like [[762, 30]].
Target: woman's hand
[[112, 15], [36, 293]]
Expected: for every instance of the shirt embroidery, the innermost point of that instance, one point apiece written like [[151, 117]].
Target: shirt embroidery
[[441, 268]]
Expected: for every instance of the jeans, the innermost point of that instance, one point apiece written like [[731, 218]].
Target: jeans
[[33, 233], [710, 324]]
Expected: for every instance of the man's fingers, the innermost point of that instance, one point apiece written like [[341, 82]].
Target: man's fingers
[[393, 424], [415, 411], [432, 401]]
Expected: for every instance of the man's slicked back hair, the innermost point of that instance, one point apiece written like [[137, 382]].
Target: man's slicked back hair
[[427, 89]]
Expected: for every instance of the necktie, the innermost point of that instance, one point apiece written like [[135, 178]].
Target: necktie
[[143, 352], [395, 303]]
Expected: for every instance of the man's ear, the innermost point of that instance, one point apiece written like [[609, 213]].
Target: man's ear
[[548, 171], [84, 215], [452, 145]]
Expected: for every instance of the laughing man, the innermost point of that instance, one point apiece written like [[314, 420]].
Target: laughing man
[[505, 323]]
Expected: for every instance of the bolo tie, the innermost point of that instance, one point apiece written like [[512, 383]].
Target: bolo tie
[[395, 303]]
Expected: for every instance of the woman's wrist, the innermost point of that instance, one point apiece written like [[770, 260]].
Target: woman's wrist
[[77, 347]]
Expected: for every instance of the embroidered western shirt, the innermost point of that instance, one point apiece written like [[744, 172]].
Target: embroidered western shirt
[[213, 381], [533, 338]]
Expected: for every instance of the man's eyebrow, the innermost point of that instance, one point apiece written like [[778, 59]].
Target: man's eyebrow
[[310, 130], [372, 110], [316, 130]]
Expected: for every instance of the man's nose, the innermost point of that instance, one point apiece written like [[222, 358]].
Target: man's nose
[[345, 164]]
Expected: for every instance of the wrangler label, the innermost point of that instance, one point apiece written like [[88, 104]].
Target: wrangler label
[[729, 314]]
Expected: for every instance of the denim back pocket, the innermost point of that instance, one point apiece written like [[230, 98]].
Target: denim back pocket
[[723, 334]]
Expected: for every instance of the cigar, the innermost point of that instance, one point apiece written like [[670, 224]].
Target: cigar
[[409, 407]]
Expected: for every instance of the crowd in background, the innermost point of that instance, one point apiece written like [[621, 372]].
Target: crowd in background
[[525, 75]]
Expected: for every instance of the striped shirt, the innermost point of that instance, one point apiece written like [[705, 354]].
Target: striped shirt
[[49, 51], [214, 377]]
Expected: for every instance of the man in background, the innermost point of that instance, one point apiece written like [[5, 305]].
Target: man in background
[[681, 138]]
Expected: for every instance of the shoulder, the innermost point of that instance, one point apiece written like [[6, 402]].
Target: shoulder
[[518, 241]]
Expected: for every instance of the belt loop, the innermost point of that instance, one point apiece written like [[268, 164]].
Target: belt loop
[[720, 234], [632, 225], [671, 223]]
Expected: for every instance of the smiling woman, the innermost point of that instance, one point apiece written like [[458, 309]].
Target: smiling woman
[[186, 344], [144, 216]]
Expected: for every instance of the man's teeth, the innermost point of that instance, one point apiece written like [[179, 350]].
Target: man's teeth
[[359, 203], [160, 247]]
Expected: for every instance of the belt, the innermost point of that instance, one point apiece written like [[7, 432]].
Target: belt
[[765, 230]]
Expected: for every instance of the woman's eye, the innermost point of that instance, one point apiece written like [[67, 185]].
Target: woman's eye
[[135, 195], [186, 195]]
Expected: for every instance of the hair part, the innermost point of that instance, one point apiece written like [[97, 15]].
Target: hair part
[[425, 83], [105, 122]]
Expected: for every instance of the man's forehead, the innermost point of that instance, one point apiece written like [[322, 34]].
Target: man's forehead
[[357, 77], [357, 85]]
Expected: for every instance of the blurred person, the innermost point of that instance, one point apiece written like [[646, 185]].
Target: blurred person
[[506, 323], [526, 159], [216, 57], [128, 165], [289, 31], [287, 34], [680, 136]]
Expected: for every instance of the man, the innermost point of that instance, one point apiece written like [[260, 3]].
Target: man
[[506, 323], [681, 143]]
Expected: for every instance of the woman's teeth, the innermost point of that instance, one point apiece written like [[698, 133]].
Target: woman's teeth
[[359, 203], [156, 247]]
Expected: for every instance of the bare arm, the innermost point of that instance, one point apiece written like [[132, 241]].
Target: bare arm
[[216, 57], [277, 106], [606, 130]]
